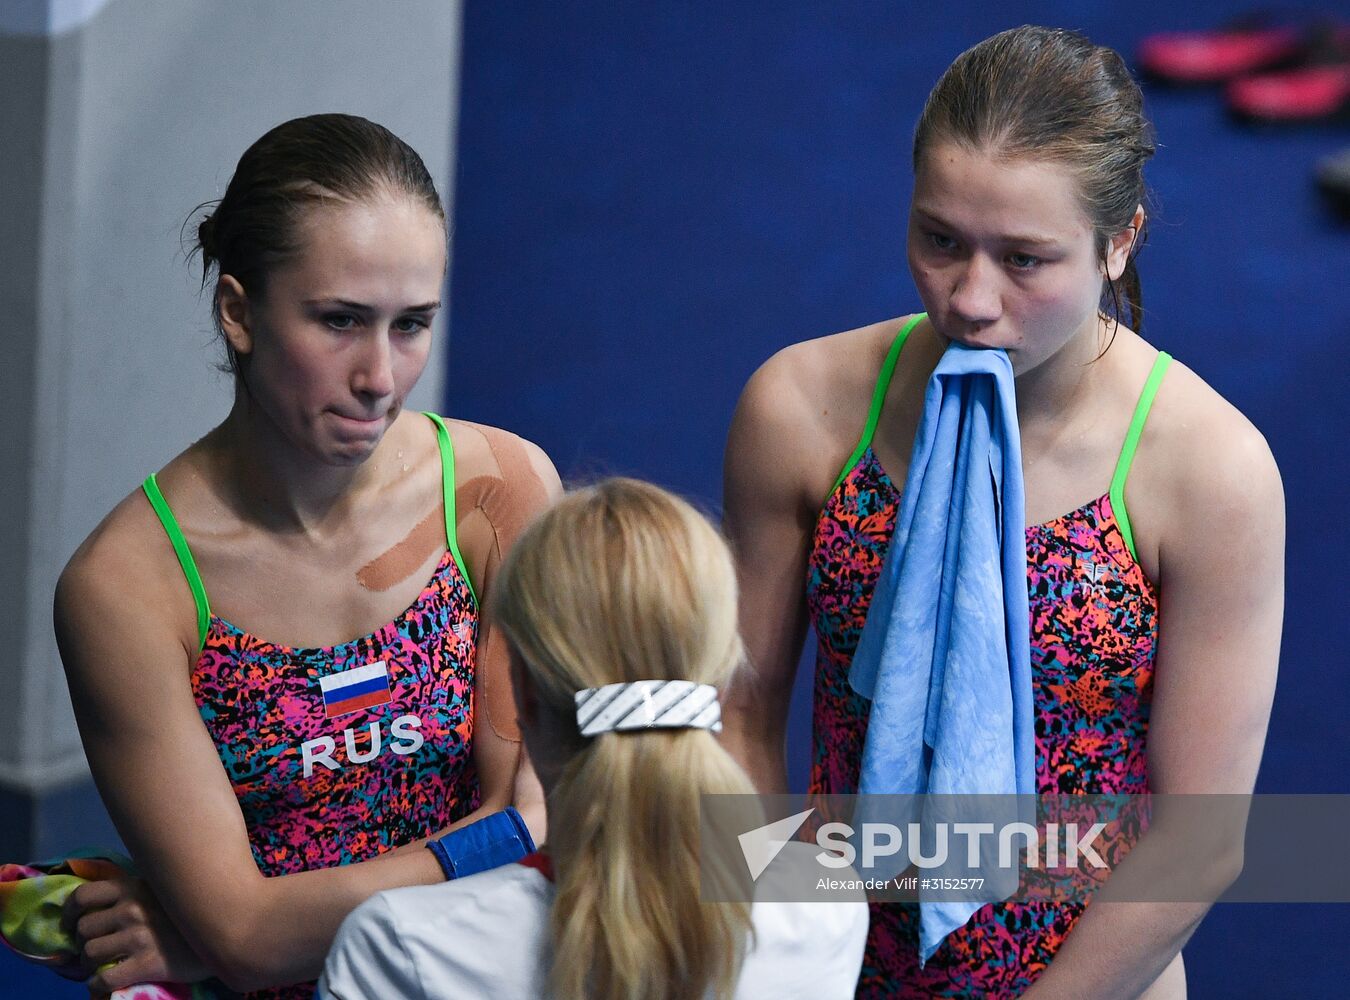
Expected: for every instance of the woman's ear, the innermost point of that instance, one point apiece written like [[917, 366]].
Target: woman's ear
[[234, 313], [1121, 245]]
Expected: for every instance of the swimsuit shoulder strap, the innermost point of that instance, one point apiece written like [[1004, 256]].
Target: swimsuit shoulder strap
[[447, 450], [1127, 450], [180, 548], [879, 396]]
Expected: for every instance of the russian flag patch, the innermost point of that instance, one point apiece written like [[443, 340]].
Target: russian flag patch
[[355, 689]]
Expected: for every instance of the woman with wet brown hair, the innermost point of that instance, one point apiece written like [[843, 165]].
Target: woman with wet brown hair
[[274, 647], [1154, 510]]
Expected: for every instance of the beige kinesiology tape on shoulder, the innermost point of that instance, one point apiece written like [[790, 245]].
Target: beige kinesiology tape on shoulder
[[506, 500]]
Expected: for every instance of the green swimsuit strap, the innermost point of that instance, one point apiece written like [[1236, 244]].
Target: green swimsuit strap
[[448, 489], [185, 560], [879, 396], [1127, 450]]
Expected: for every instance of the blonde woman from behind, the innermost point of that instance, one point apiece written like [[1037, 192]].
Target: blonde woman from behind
[[618, 583]]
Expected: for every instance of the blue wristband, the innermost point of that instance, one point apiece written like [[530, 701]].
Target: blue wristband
[[487, 843]]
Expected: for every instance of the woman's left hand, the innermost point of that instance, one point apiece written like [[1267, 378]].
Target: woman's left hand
[[125, 937]]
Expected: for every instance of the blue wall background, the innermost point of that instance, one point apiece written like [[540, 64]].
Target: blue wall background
[[653, 199]]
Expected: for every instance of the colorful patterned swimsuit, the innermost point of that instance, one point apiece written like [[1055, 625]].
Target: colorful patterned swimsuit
[[1094, 625], [340, 753]]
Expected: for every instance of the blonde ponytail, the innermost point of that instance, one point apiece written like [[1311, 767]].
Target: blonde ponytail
[[624, 582]]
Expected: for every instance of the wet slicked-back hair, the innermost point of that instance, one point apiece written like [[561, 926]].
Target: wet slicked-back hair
[[294, 166], [1049, 94]]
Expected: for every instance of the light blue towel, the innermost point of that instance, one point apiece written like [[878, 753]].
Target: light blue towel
[[945, 652]]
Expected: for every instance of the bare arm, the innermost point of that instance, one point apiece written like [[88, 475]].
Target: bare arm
[[528, 484], [161, 779], [1221, 569], [769, 513], [505, 774]]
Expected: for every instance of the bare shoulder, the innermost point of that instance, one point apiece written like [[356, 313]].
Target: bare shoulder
[[803, 410], [824, 377], [124, 574], [1207, 440], [1208, 471], [489, 449]]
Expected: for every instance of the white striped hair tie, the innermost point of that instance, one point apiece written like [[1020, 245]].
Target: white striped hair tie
[[639, 705]]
